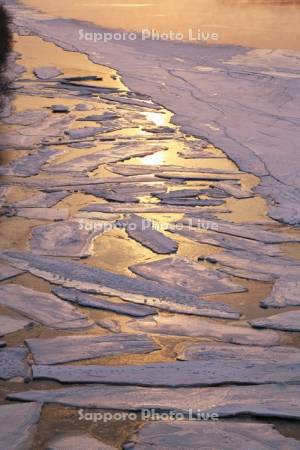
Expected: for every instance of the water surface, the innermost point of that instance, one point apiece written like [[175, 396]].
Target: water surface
[[255, 23]]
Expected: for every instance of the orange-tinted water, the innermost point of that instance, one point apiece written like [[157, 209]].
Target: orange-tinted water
[[255, 23]]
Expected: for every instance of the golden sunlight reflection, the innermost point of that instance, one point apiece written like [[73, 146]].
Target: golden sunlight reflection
[[172, 157], [155, 159], [160, 119]]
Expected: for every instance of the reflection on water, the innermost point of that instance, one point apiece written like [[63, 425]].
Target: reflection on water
[[159, 118], [172, 157], [36, 52], [255, 23]]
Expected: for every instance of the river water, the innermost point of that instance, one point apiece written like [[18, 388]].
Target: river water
[[253, 23]]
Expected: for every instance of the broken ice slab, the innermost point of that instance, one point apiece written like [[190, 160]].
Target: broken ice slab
[[80, 133], [126, 186], [47, 72], [235, 191], [109, 324], [247, 231], [86, 88], [190, 151], [41, 200], [26, 138], [192, 202], [84, 107], [97, 216], [18, 425], [31, 165], [179, 193], [270, 400], [12, 363], [159, 129], [170, 435], [80, 164], [76, 275], [257, 262], [129, 100], [231, 353], [144, 232], [285, 292], [147, 208], [96, 301], [126, 193], [7, 272], [82, 144], [214, 192], [60, 109], [84, 78], [55, 183], [26, 117], [100, 117], [43, 213], [131, 170], [64, 349], [3, 195], [184, 274], [115, 196], [287, 321], [246, 274], [10, 324], [44, 308], [67, 238], [190, 176], [208, 329], [226, 241], [197, 154], [135, 169], [214, 368]]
